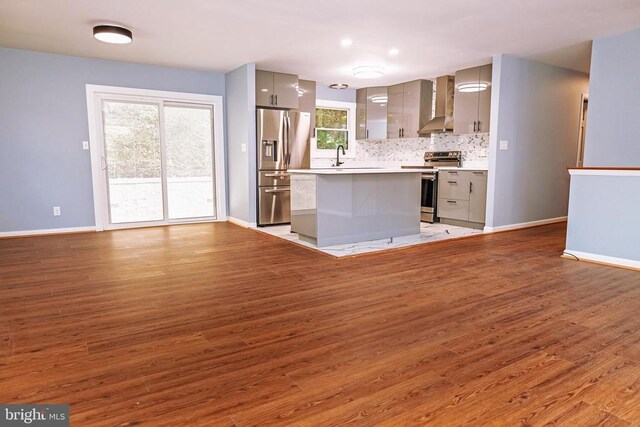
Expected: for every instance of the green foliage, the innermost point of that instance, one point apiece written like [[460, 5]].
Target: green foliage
[[331, 128], [132, 140]]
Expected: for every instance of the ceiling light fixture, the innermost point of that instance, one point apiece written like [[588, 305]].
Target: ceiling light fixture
[[379, 99], [368, 72], [394, 51], [112, 34], [338, 86], [346, 42], [300, 93], [473, 87]]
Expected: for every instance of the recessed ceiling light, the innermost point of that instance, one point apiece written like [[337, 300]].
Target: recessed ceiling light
[[338, 86], [473, 87], [112, 34], [300, 92], [379, 99], [368, 72], [394, 51], [346, 42]]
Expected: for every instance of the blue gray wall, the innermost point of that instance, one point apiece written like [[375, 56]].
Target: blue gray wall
[[603, 216], [241, 129], [536, 107], [604, 210], [43, 121], [324, 92], [613, 125]]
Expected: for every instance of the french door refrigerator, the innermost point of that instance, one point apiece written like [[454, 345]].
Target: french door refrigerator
[[283, 143]]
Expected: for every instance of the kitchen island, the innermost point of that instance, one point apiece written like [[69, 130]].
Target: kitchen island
[[342, 205]]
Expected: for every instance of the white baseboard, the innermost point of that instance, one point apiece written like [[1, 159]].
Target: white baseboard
[[603, 259], [241, 222], [46, 231], [525, 224]]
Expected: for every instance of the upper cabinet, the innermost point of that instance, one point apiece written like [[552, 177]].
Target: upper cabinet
[[409, 108], [371, 113], [276, 89], [307, 100], [472, 100]]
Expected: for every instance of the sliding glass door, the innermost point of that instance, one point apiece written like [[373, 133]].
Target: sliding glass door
[[158, 162]]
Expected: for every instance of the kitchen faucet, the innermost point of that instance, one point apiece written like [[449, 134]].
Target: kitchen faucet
[[338, 162]]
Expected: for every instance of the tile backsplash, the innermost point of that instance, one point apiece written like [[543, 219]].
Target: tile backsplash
[[398, 152]]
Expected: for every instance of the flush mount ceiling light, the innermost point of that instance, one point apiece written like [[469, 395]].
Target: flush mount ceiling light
[[368, 72], [338, 86], [394, 51], [379, 99], [112, 34], [346, 42], [473, 87]]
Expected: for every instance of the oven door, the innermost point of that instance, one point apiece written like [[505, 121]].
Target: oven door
[[428, 197]]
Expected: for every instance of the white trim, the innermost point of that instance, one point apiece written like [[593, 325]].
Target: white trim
[[46, 231], [351, 119], [525, 224], [95, 92], [623, 262], [241, 222], [605, 172]]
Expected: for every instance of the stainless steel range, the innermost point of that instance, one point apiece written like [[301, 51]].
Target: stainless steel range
[[429, 193]]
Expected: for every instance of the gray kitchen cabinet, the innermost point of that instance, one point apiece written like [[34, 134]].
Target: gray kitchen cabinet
[[462, 196], [395, 101], [478, 196], [472, 110], [276, 89], [361, 113], [307, 101], [371, 113], [409, 108]]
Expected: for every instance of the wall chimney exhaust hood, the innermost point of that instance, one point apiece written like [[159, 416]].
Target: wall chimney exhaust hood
[[443, 118]]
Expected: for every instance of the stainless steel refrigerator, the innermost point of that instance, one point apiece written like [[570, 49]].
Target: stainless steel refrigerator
[[283, 139]]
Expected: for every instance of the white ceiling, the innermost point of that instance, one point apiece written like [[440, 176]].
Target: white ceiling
[[303, 37]]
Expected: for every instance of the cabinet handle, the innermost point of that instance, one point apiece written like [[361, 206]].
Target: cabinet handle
[[452, 182], [403, 132], [452, 172], [270, 99], [400, 133], [471, 187], [367, 133], [475, 126], [451, 201], [478, 127], [276, 99], [478, 173]]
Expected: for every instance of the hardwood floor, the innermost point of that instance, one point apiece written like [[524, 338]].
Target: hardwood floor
[[216, 325]]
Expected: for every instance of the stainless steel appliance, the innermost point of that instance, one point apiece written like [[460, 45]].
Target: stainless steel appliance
[[283, 143], [429, 193]]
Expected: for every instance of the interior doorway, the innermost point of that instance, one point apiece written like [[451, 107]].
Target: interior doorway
[[584, 108]]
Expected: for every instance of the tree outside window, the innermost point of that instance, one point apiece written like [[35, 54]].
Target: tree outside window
[[332, 128]]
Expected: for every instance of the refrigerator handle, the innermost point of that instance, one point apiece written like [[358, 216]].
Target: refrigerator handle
[[287, 148]]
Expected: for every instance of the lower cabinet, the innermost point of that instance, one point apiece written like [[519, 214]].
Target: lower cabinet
[[462, 195]]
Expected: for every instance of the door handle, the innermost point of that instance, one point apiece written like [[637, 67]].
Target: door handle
[[277, 190]]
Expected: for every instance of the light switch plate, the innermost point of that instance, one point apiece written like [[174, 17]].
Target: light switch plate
[[56, 211], [504, 144], [243, 148], [85, 145]]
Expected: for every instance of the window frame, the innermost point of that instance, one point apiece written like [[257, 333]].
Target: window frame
[[350, 107]]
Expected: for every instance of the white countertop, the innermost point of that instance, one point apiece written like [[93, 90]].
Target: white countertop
[[352, 171]]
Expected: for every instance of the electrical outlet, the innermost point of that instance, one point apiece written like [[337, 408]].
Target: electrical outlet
[[85, 145], [504, 144], [56, 211]]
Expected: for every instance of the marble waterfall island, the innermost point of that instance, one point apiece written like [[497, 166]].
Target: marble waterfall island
[[342, 205]]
